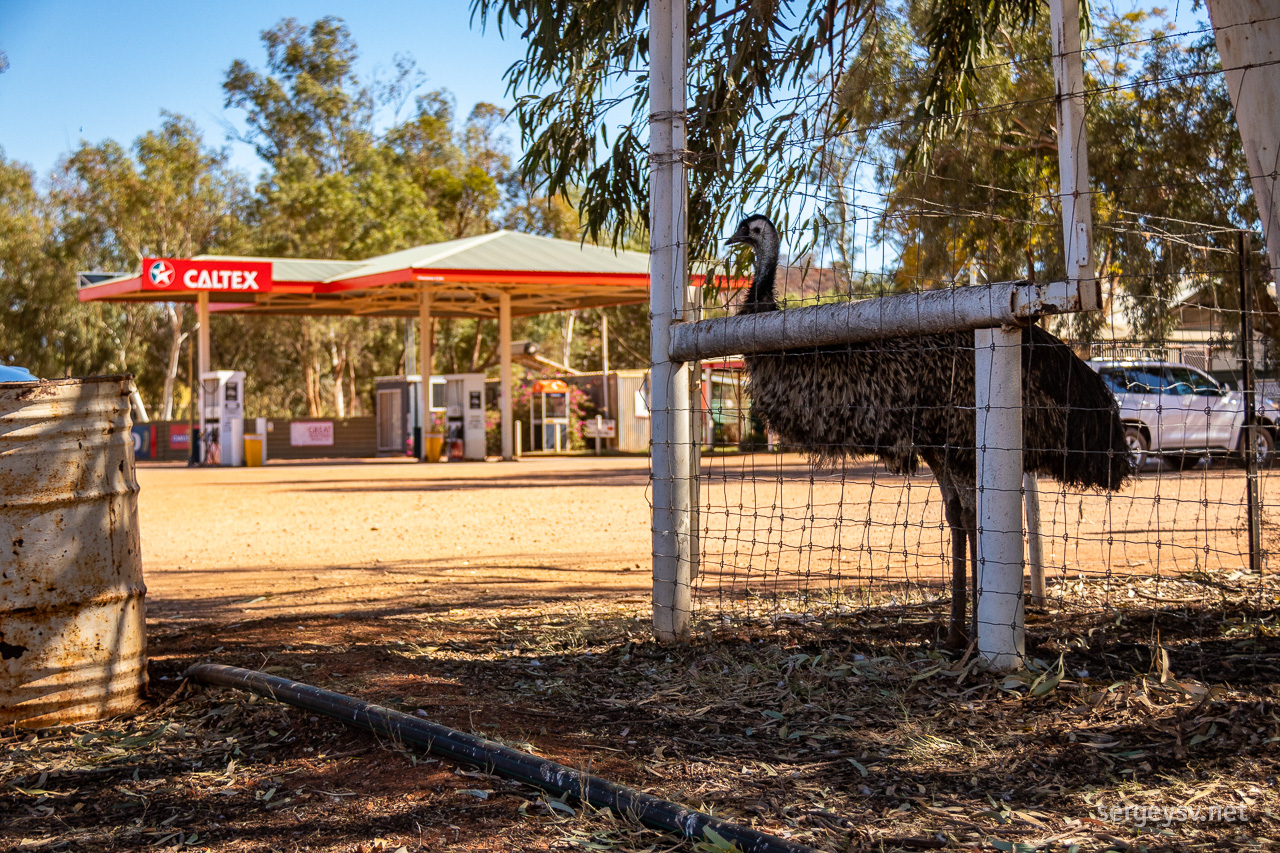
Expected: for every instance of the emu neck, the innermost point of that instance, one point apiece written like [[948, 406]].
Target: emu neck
[[761, 297]]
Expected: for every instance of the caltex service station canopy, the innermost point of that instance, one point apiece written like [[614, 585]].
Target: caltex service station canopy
[[461, 278]]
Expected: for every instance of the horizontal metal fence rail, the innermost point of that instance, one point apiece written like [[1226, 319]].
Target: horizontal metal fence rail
[[912, 314]]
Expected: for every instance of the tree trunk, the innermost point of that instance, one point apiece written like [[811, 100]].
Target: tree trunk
[[475, 347], [310, 369], [338, 362], [356, 408], [177, 336], [451, 344], [568, 336]]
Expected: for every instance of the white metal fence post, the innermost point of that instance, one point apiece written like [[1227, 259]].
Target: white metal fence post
[[669, 422], [998, 401], [1073, 153]]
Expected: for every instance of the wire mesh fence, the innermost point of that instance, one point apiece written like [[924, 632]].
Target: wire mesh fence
[[814, 518], [780, 534]]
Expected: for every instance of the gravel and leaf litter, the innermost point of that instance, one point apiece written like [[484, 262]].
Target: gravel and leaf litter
[[1138, 729]]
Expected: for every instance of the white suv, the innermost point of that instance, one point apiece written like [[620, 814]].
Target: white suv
[[1182, 414]]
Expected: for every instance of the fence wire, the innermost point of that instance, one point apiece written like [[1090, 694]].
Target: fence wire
[[800, 530]]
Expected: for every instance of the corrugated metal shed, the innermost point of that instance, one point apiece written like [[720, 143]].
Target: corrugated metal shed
[[632, 410]]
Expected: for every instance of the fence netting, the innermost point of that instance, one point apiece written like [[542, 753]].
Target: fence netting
[[797, 530]]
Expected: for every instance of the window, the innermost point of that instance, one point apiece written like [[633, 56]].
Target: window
[[1184, 380], [1145, 380], [1114, 379]]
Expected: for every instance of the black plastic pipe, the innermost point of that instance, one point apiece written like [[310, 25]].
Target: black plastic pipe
[[494, 758]]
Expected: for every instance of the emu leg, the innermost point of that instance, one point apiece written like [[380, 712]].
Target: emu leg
[[956, 637]]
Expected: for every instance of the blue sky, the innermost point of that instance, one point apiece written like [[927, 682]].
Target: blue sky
[[98, 70]]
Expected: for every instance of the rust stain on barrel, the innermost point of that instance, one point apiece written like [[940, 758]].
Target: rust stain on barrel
[[72, 599]]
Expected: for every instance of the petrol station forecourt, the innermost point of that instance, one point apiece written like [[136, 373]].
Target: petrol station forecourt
[[500, 275]]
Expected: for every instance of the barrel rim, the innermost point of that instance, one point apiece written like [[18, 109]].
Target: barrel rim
[[71, 380]]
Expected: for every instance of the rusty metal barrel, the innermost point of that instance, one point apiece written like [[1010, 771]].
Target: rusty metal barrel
[[72, 601]]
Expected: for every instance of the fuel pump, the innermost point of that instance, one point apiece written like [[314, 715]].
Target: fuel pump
[[464, 416], [222, 421]]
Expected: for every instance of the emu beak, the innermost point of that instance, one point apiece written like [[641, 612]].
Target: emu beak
[[735, 239]]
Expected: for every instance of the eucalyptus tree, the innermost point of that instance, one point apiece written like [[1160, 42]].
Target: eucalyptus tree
[[343, 181], [1165, 160], [169, 195], [1171, 170], [332, 189], [926, 126], [764, 84], [43, 328]]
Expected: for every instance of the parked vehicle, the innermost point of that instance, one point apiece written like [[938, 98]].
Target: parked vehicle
[[1183, 415]]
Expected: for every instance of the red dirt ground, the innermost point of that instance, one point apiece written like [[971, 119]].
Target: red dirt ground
[[337, 538], [511, 600]]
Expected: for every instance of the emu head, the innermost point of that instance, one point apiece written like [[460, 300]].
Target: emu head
[[759, 233], [756, 231]]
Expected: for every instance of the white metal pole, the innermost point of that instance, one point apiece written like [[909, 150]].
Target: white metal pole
[[202, 362], [415, 409], [998, 403], [1248, 36], [668, 277], [1035, 544], [604, 357], [504, 360], [1073, 153], [425, 342]]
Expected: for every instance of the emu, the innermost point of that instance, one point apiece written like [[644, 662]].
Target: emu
[[908, 399]]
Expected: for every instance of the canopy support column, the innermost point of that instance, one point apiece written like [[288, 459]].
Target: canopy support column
[[604, 358], [202, 361], [504, 359], [425, 342]]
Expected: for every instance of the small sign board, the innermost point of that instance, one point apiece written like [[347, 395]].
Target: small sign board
[[311, 434], [142, 441], [180, 436], [600, 429], [232, 407]]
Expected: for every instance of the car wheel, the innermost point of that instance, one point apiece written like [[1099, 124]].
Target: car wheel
[[1264, 446], [1183, 461], [1138, 447]]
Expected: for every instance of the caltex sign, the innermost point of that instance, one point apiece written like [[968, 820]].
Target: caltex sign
[[177, 274]]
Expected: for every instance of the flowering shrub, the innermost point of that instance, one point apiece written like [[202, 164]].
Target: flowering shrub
[[493, 432]]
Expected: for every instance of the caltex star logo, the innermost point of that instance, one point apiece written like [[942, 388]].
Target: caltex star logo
[[162, 274]]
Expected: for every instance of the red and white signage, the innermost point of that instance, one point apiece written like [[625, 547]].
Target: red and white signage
[[180, 436], [177, 274], [311, 434]]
